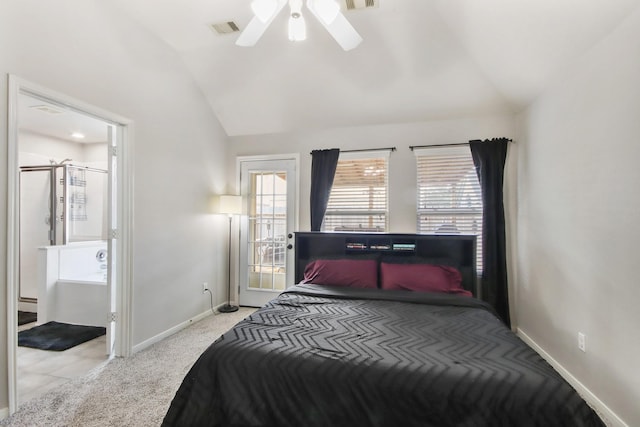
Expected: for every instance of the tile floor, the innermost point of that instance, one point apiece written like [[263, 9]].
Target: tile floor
[[40, 370]]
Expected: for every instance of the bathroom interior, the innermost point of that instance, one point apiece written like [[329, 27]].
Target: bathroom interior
[[63, 205]]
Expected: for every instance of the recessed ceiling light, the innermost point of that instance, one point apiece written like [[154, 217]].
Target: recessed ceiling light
[[77, 135]]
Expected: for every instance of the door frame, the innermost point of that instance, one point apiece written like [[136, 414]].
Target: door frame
[[242, 223], [124, 205]]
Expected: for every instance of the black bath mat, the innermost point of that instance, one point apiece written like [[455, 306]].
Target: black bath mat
[[58, 336], [25, 317]]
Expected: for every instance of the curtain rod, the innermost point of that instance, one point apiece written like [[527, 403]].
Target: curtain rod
[[368, 149], [412, 147]]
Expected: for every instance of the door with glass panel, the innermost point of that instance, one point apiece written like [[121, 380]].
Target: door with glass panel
[[266, 236]]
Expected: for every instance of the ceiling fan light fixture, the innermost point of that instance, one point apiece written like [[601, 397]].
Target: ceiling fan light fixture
[[297, 28], [264, 9], [332, 20], [326, 10]]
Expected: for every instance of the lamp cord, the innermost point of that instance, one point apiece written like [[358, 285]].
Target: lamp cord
[[211, 301]]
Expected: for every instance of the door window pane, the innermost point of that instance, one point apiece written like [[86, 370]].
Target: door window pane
[[267, 231]]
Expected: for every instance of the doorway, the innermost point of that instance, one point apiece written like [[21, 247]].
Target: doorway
[[269, 191], [66, 232]]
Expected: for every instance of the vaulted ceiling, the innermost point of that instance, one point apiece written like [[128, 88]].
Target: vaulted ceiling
[[420, 59]]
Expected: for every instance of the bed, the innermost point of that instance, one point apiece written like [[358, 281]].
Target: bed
[[376, 349]]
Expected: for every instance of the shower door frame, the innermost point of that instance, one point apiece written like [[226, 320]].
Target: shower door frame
[[121, 237], [53, 203], [54, 198]]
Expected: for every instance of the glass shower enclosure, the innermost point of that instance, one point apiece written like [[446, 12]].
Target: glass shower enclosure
[[59, 204]]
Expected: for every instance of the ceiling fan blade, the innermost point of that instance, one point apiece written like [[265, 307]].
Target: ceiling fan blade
[[252, 33], [256, 28], [342, 31]]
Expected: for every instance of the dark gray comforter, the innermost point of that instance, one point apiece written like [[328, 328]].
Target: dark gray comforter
[[326, 356]]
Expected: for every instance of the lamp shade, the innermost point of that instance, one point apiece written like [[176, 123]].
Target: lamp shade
[[230, 204]]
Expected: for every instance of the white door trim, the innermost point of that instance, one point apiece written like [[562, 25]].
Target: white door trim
[[124, 202], [296, 208]]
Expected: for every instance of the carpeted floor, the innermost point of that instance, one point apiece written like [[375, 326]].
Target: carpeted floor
[[135, 391]]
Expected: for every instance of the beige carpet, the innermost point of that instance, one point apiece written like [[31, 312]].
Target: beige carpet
[[135, 391]]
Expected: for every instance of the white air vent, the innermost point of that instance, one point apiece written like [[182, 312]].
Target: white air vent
[[359, 4], [47, 109], [225, 27]]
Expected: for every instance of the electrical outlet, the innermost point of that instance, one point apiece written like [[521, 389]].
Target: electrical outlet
[[582, 342], [205, 287]]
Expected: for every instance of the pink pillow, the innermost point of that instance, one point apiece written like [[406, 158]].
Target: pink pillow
[[361, 273], [422, 278]]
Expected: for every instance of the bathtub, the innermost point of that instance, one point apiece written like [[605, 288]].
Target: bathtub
[[72, 285]]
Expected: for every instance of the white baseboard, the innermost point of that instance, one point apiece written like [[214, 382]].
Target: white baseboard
[[171, 331], [4, 413], [608, 416]]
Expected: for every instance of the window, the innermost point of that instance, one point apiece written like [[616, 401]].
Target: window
[[358, 199], [449, 195], [267, 229]]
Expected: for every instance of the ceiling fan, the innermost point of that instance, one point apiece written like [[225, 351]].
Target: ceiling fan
[[326, 11]]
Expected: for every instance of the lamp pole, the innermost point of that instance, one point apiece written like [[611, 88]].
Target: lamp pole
[[228, 308]]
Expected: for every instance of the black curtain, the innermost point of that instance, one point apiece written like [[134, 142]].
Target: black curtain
[[323, 169], [489, 157]]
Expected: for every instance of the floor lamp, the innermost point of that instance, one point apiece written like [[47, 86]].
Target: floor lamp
[[230, 205]]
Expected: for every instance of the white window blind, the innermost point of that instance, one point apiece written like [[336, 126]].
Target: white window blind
[[358, 199], [449, 195]]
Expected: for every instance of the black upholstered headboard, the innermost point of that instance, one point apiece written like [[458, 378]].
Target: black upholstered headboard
[[456, 250]]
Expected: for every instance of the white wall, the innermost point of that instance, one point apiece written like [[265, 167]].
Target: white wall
[[87, 50], [402, 164], [37, 149], [95, 155], [578, 230]]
